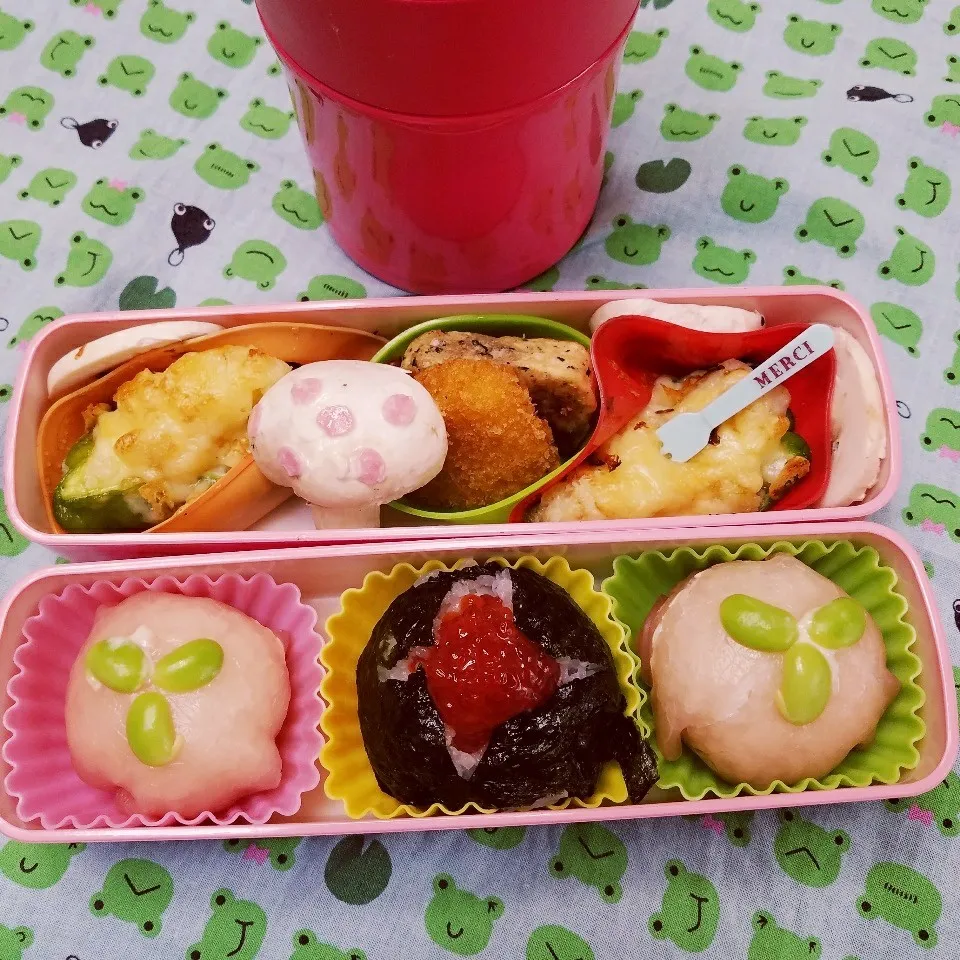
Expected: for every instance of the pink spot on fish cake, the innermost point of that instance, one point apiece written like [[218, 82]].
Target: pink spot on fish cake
[[336, 421], [399, 410], [368, 466], [289, 462], [306, 391]]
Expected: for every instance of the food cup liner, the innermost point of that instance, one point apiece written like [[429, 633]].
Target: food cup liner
[[350, 777], [42, 778], [638, 582]]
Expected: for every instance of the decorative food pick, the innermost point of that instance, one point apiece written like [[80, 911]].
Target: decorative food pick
[[807, 681], [686, 434], [348, 436]]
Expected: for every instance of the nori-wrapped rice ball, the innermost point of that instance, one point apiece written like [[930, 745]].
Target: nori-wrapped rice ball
[[553, 750]]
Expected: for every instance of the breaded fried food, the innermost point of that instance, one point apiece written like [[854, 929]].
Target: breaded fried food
[[497, 445], [556, 372]]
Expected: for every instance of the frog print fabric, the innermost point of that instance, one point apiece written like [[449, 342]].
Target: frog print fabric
[[150, 158]]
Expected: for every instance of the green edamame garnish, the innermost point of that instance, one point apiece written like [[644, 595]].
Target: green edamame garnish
[[758, 625], [150, 730], [119, 667], [191, 666], [805, 686]]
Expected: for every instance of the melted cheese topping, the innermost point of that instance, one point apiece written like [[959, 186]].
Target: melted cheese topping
[[172, 434], [629, 477]]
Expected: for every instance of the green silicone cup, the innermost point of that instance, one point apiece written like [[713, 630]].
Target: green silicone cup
[[638, 582], [496, 325]]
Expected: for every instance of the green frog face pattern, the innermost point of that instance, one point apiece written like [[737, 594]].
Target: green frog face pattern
[[722, 264], [129, 73], [151, 145], [952, 24], [257, 261], [737, 827], [793, 277], [299, 208], [810, 36], [912, 262], [834, 223], [358, 870], [952, 373], [12, 542], [683, 126], [63, 52], [899, 324], [711, 72], [194, 98], [279, 850], [789, 88], [771, 942], [544, 282], [27, 105], [934, 510], [19, 240], [944, 112], [224, 169], [265, 121], [137, 892], [14, 942], [899, 11], [891, 54], [164, 24], [8, 163], [498, 838], [596, 282], [595, 856], [854, 152], [749, 197], [927, 190], [37, 865], [40, 317], [306, 946], [235, 931], [106, 8], [641, 46], [112, 202], [330, 286], [904, 898], [12, 31], [557, 943], [50, 186], [953, 69], [232, 47], [807, 852], [736, 15], [459, 921], [87, 262], [636, 243], [623, 106], [943, 431], [774, 131], [690, 910], [941, 805]]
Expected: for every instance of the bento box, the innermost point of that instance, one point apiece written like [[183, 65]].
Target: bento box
[[322, 580], [280, 519]]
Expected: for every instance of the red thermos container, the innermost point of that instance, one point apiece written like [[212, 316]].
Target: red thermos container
[[457, 145]]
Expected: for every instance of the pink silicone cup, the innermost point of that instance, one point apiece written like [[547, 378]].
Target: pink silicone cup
[[42, 778]]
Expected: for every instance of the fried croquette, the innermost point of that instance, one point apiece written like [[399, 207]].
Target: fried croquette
[[497, 445]]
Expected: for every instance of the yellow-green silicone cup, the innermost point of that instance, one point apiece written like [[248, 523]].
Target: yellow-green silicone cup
[[350, 777], [494, 325], [639, 581]]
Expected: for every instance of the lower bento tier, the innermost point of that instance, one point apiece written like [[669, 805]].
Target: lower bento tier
[[490, 685]]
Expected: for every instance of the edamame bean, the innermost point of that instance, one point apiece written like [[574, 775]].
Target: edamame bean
[[805, 686], [758, 625], [191, 666], [150, 730], [839, 624], [120, 668]]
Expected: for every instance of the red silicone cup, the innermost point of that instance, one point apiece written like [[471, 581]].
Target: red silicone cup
[[629, 353], [42, 778]]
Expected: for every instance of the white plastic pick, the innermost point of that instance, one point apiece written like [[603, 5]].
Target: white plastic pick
[[687, 434]]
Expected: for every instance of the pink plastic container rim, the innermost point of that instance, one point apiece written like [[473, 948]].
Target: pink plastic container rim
[[938, 660], [559, 305]]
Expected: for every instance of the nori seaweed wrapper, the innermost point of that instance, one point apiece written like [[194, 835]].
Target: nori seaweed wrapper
[[555, 750]]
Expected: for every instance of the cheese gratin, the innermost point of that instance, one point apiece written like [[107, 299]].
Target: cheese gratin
[[750, 462], [168, 437]]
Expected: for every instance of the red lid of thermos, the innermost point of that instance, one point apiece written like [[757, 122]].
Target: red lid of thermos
[[444, 57]]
